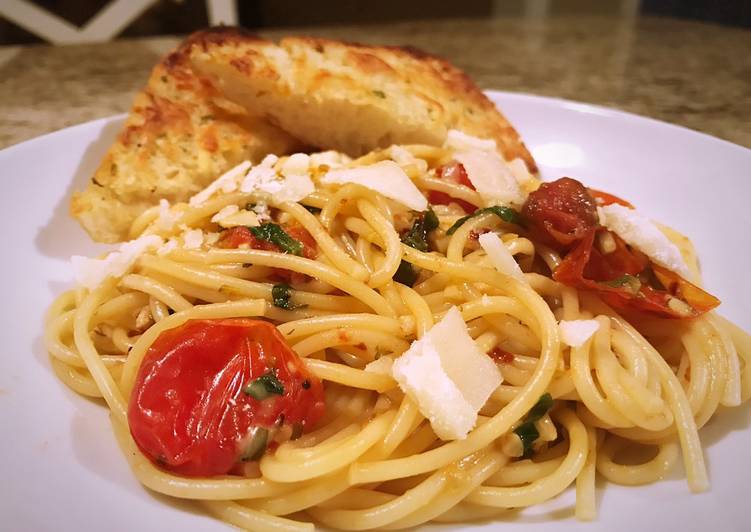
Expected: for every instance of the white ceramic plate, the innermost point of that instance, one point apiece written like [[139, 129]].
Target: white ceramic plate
[[60, 468]]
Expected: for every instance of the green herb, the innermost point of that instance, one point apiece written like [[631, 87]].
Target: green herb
[[628, 282], [264, 386], [543, 404], [257, 445], [528, 434], [527, 431], [281, 295], [507, 214], [311, 209], [271, 232], [417, 236], [380, 94], [405, 274]]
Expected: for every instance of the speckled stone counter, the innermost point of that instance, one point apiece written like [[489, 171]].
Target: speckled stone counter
[[692, 74]]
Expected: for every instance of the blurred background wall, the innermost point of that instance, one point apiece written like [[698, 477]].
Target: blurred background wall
[[65, 21]]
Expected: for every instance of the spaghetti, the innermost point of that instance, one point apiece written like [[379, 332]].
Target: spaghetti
[[354, 277]]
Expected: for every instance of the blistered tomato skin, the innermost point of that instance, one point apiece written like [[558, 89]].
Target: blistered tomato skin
[[188, 412], [561, 212]]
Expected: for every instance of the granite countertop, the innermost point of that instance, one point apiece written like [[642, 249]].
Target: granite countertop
[[693, 74]]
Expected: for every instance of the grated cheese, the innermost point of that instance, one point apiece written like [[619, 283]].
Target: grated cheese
[[227, 183], [91, 272]]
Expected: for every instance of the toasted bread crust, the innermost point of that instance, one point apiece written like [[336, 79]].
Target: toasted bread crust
[[180, 134], [417, 95], [226, 95]]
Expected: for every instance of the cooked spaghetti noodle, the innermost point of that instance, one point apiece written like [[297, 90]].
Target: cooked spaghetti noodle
[[639, 385]]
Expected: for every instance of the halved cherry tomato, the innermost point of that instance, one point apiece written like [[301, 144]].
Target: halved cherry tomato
[[189, 412], [455, 173], [560, 213], [237, 236], [624, 280]]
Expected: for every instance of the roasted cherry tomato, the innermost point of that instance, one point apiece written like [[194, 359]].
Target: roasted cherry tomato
[[207, 389], [626, 280], [237, 236], [605, 198], [455, 173], [560, 213]]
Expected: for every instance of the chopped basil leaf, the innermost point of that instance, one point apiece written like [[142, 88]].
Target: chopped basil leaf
[[271, 232], [257, 445], [311, 209], [543, 404], [527, 431], [281, 295], [380, 94], [507, 214], [264, 386], [417, 236], [405, 274], [628, 282], [528, 434]]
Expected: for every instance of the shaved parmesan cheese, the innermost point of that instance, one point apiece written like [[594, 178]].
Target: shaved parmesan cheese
[[167, 217], [520, 172], [296, 187], [229, 210], [91, 272], [264, 179], [227, 183], [576, 332], [269, 161], [384, 177], [296, 164], [192, 239], [491, 177], [640, 232], [500, 256], [258, 175], [460, 141], [262, 211], [330, 158], [448, 376]]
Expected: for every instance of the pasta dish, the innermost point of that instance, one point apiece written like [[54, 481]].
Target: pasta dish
[[421, 334]]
